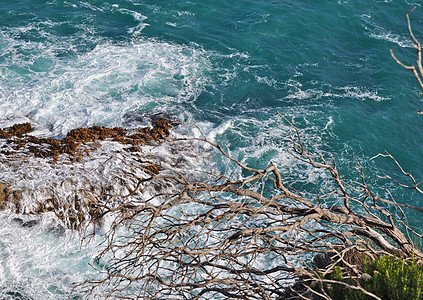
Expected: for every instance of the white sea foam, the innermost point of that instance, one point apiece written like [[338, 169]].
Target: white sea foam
[[358, 93], [99, 86], [258, 139], [91, 6], [137, 17], [329, 123], [212, 133], [378, 32], [56, 93], [268, 81], [40, 259], [297, 92]]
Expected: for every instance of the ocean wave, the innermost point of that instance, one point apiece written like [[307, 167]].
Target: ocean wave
[[257, 141], [138, 17], [298, 92], [357, 93], [380, 33], [40, 260], [99, 86]]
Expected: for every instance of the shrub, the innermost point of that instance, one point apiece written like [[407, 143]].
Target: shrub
[[390, 278]]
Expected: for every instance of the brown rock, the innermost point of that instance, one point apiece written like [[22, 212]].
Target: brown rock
[[16, 135]]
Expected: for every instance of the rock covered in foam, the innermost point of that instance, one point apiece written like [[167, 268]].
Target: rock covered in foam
[[18, 139], [76, 197]]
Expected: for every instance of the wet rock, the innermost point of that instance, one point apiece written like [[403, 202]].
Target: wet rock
[[57, 230], [17, 136], [15, 130], [7, 292], [153, 169], [163, 116], [30, 223], [25, 223], [9, 198], [4, 193], [72, 211], [322, 260], [136, 119], [18, 221]]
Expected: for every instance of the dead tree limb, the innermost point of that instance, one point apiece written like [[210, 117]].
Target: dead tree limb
[[205, 235], [418, 72]]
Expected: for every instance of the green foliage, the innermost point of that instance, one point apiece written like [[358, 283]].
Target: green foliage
[[391, 278], [338, 291]]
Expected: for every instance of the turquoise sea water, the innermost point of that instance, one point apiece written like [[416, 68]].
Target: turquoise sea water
[[227, 66]]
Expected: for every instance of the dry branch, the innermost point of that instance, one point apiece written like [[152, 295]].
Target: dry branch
[[418, 72], [243, 238]]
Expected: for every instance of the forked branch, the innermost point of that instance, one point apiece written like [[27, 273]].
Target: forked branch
[[418, 72], [210, 236]]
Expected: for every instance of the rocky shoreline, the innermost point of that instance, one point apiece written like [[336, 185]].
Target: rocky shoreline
[[17, 138], [76, 197]]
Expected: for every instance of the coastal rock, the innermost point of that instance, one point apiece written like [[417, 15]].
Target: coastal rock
[[18, 139], [26, 223], [9, 198], [84, 182]]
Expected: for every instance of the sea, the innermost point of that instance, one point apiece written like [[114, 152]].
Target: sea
[[227, 67]]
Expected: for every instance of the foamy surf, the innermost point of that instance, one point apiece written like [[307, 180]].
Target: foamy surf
[[228, 68], [102, 85]]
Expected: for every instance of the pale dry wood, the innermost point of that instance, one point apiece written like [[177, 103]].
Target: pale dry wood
[[246, 237], [418, 72]]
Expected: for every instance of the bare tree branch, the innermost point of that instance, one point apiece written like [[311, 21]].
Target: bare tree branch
[[204, 235], [418, 74]]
